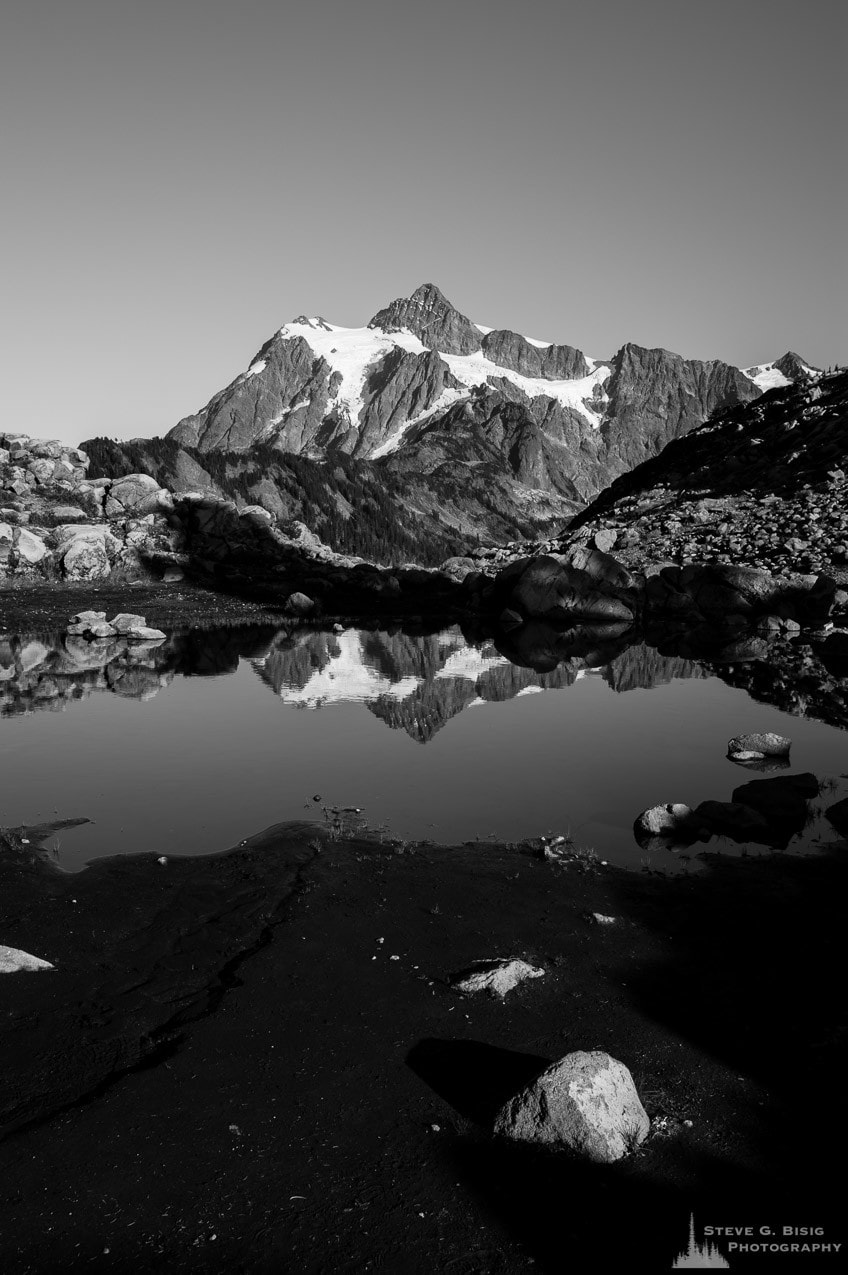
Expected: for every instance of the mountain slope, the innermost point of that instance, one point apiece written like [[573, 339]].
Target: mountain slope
[[422, 386], [762, 484]]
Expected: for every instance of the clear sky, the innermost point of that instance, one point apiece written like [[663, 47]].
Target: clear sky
[[181, 177]]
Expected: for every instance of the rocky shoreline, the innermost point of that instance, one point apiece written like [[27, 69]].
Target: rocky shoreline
[[372, 1086]]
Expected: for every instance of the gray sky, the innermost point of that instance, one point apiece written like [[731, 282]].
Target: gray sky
[[184, 176]]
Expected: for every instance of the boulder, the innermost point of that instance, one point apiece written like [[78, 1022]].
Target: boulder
[[30, 548], [497, 977], [546, 588], [457, 569], [85, 618], [838, 816], [730, 819], [133, 495], [145, 634], [587, 1102], [298, 604], [605, 539], [782, 801], [758, 745], [663, 821], [126, 620]]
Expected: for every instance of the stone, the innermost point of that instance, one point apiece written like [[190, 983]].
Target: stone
[[548, 588], [764, 744], [838, 816], [605, 539], [298, 604], [145, 634], [730, 819], [497, 977], [587, 1102], [30, 547], [133, 495], [126, 620], [85, 618], [14, 961], [457, 569], [660, 821]]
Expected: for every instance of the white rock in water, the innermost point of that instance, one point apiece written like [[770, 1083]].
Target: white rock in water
[[126, 620], [143, 634], [586, 1102], [496, 977], [13, 960]]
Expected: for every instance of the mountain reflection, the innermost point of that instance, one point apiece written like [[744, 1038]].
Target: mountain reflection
[[414, 683]]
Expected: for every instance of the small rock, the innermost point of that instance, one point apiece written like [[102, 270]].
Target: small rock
[[13, 960], [765, 744], [87, 617], [144, 634], [497, 977], [586, 1102], [660, 821], [125, 621], [600, 919]]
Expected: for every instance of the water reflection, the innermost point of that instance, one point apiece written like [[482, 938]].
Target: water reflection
[[412, 683], [212, 758]]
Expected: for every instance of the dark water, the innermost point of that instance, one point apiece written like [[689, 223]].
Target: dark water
[[190, 746]]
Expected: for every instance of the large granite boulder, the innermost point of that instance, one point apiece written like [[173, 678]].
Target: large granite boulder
[[586, 1102], [133, 496], [546, 588]]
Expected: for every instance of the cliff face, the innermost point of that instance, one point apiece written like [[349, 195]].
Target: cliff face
[[422, 385]]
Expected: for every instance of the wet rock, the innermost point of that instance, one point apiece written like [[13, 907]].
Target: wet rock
[[838, 816], [782, 801], [663, 821], [730, 819], [497, 977], [758, 745], [586, 1102]]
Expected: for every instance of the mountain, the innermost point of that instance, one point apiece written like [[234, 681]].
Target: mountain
[[762, 484], [422, 388]]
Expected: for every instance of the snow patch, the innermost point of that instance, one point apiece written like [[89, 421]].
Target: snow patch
[[346, 678], [475, 369], [469, 662], [766, 376]]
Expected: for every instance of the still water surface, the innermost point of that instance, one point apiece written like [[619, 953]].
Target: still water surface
[[191, 746]]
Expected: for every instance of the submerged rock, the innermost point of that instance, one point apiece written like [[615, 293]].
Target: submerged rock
[[497, 977], [838, 816], [586, 1102]]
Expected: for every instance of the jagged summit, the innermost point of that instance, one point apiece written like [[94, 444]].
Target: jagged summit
[[422, 387], [430, 316]]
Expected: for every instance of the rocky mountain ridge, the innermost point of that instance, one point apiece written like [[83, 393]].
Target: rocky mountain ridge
[[422, 387]]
